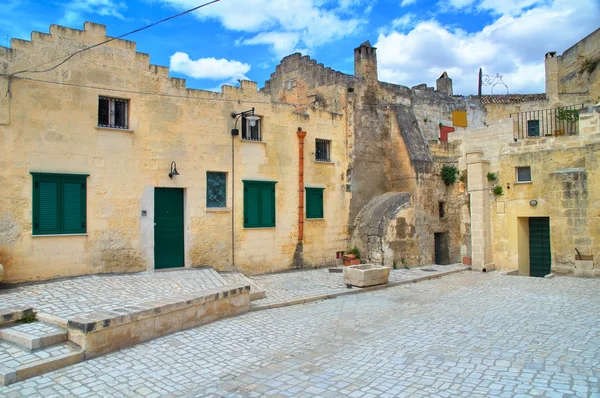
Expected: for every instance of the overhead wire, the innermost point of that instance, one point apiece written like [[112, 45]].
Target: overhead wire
[[107, 41]]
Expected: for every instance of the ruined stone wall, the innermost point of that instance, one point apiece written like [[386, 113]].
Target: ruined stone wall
[[52, 127], [579, 67]]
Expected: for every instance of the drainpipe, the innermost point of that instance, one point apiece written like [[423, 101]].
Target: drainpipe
[[299, 253]]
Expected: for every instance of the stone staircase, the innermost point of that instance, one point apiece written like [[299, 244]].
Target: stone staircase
[[30, 349]]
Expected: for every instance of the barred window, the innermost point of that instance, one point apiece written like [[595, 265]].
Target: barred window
[[112, 112], [322, 150], [251, 130]]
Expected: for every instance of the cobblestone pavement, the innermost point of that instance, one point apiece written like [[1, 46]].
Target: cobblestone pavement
[[288, 286], [468, 334], [69, 297]]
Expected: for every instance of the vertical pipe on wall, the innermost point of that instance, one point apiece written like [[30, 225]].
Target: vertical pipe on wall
[[301, 135]]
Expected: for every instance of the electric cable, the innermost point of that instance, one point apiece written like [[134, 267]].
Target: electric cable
[[108, 41]]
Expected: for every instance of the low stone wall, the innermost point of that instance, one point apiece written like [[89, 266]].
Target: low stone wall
[[105, 331]]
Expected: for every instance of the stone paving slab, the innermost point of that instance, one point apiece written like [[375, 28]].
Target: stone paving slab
[[299, 287], [79, 296], [469, 334]]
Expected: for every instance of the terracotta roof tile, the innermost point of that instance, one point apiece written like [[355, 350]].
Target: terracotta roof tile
[[509, 98]]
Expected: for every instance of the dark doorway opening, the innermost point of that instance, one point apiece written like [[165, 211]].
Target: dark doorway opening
[[442, 255]]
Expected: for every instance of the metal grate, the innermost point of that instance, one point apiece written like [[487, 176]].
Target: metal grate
[[322, 150], [112, 112], [546, 122]]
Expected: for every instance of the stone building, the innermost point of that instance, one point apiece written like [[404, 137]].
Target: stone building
[[400, 210], [538, 211], [90, 149]]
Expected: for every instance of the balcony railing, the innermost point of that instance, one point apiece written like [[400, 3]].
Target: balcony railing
[[547, 122]]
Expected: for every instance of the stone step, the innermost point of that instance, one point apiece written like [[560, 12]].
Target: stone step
[[256, 292], [11, 314], [18, 363], [33, 335]]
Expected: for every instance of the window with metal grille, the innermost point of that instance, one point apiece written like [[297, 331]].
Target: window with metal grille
[[524, 174], [322, 150], [112, 112], [216, 191], [250, 132], [59, 204]]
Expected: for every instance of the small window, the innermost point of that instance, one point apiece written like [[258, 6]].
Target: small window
[[533, 128], [314, 202], [524, 174], [322, 152], [251, 130], [112, 112], [216, 189], [59, 204], [442, 209], [259, 204]]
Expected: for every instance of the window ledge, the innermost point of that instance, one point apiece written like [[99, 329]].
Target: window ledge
[[113, 129], [315, 219], [523, 182], [251, 228], [253, 141], [44, 236], [323, 162], [218, 209]]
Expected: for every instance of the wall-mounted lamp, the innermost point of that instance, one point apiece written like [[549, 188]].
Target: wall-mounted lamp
[[508, 185], [533, 202], [250, 118], [174, 171]]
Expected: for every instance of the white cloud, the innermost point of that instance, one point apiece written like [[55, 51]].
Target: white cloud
[[75, 10], [407, 3], [513, 45], [208, 68], [308, 23]]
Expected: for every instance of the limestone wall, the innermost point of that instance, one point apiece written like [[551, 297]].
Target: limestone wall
[[564, 187], [52, 127]]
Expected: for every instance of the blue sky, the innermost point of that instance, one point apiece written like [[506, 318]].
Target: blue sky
[[416, 39]]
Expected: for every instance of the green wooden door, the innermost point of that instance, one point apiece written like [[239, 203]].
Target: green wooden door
[[539, 246], [168, 228]]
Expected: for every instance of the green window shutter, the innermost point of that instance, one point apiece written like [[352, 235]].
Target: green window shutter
[[259, 204], [314, 202], [267, 205], [251, 205], [59, 204], [73, 206], [46, 197]]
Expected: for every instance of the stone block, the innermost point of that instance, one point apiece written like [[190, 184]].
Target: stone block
[[584, 265], [366, 275]]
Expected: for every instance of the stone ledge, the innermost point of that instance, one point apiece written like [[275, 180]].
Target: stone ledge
[[102, 319], [105, 331], [311, 299]]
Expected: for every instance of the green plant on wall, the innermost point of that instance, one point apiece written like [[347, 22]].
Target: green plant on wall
[[463, 176], [355, 251], [498, 190], [449, 174], [491, 176], [568, 115]]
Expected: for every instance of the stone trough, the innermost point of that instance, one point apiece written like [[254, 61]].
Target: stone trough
[[366, 275]]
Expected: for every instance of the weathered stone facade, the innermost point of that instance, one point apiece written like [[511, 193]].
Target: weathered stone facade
[[392, 132], [49, 124], [564, 188]]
